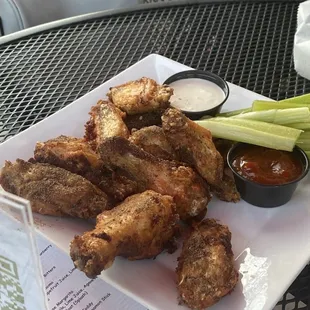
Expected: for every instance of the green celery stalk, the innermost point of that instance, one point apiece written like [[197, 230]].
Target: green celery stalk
[[294, 115], [261, 126], [281, 117], [261, 105], [304, 99], [308, 154], [305, 135], [252, 132], [302, 126], [235, 112], [304, 145], [263, 116], [304, 140]]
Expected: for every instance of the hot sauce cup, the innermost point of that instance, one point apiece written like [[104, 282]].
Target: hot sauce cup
[[266, 196]]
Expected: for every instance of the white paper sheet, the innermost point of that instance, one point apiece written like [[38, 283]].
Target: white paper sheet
[[66, 287], [69, 289], [302, 41]]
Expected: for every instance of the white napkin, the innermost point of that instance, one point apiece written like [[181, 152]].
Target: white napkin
[[302, 41]]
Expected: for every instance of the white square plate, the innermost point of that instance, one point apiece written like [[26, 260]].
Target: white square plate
[[271, 246]]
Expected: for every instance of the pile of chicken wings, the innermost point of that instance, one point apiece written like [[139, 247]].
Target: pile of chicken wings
[[141, 169]]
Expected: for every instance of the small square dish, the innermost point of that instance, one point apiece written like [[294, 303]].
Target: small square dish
[[271, 246]]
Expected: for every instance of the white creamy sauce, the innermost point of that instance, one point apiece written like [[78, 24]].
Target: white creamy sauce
[[196, 95]]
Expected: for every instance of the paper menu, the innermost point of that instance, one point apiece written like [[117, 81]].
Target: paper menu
[[66, 287], [69, 289], [21, 280]]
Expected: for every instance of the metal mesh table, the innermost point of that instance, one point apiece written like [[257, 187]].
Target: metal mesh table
[[247, 43]]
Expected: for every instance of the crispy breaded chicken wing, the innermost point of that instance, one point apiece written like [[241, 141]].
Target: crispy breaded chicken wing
[[53, 191], [77, 156], [188, 189], [226, 190], [206, 271], [106, 121], [141, 227], [153, 140], [140, 96], [73, 154], [193, 145]]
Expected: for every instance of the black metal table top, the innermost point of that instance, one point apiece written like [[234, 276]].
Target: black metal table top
[[247, 43]]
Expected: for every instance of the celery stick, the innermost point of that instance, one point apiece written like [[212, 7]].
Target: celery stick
[[261, 105], [302, 126], [281, 117], [253, 132], [304, 99], [263, 116], [305, 135], [294, 115], [235, 112], [308, 154], [257, 125], [304, 145]]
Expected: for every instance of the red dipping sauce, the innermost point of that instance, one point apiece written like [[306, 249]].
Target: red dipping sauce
[[267, 166]]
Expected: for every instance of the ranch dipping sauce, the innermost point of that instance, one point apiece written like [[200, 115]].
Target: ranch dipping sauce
[[196, 95]]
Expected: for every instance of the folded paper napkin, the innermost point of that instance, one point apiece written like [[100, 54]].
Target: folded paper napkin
[[302, 41]]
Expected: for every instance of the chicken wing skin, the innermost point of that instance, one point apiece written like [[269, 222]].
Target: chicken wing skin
[[53, 191], [105, 121], [193, 145], [153, 140], [77, 156], [140, 96], [206, 271], [188, 189], [141, 227]]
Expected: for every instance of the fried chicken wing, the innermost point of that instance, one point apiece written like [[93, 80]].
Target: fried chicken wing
[[53, 191], [77, 156], [193, 145], [140, 96], [226, 190], [73, 154], [189, 190], [105, 121], [206, 271], [138, 121], [141, 227], [153, 140]]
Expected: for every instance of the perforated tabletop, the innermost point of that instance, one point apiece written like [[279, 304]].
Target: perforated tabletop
[[247, 43]]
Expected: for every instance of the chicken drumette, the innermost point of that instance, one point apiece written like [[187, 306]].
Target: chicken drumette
[[226, 190], [153, 140], [140, 96], [188, 189], [193, 145], [106, 120], [206, 271], [53, 191], [141, 227], [77, 156]]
